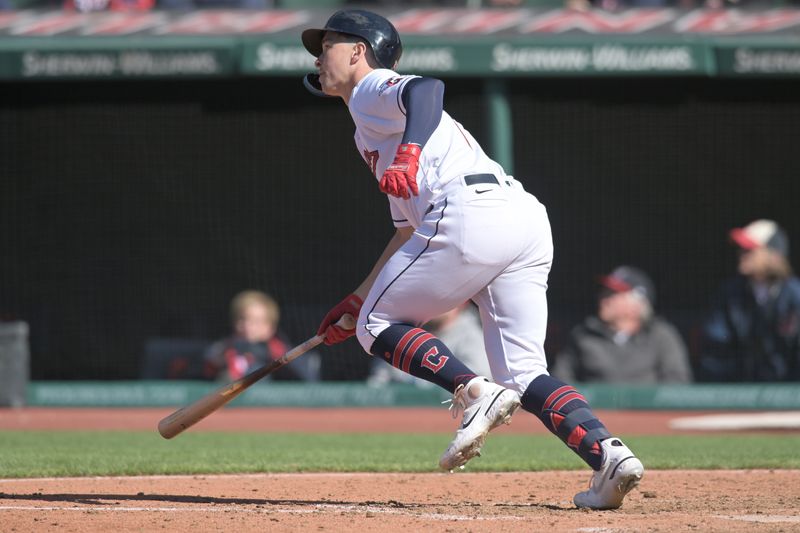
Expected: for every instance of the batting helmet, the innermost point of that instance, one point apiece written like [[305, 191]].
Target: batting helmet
[[373, 28]]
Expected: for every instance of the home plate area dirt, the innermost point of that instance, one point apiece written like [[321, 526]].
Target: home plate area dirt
[[666, 501]]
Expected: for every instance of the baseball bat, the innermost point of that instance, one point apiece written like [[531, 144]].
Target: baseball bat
[[186, 417]]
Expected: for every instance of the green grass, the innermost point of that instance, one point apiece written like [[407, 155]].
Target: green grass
[[85, 453]]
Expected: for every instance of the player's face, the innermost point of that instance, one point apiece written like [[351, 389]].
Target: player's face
[[334, 64]]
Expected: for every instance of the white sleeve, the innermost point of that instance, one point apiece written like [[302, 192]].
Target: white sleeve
[[379, 105]]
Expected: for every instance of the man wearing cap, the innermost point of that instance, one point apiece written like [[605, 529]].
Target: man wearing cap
[[753, 330], [624, 342]]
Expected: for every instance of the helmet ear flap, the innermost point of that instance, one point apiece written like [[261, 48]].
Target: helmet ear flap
[[311, 82]]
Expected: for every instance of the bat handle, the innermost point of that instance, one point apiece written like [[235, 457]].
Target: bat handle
[[347, 321]]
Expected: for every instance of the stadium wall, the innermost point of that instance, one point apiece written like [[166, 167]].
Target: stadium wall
[[136, 209], [132, 209]]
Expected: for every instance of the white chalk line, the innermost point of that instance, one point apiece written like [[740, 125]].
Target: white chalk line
[[359, 509], [763, 518]]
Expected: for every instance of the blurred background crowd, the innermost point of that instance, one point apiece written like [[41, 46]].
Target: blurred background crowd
[[146, 5], [750, 331], [174, 229]]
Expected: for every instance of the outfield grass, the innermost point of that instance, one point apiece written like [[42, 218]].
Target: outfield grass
[[85, 453]]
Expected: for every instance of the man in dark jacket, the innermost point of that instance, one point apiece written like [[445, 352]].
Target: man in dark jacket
[[753, 330], [624, 342]]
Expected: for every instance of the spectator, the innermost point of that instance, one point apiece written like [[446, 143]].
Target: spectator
[[87, 6], [753, 331], [625, 342], [256, 341], [184, 5], [460, 329]]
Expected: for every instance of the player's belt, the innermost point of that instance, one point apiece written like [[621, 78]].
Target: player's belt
[[474, 179]]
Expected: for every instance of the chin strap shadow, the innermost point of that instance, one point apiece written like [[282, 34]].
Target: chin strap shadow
[[311, 82]]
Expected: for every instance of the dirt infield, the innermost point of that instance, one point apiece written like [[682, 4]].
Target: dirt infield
[[668, 501], [727, 501]]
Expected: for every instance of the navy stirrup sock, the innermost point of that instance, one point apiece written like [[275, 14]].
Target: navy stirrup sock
[[419, 353], [565, 412]]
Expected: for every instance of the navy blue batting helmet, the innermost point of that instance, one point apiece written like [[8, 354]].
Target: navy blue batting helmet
[[381, 35]]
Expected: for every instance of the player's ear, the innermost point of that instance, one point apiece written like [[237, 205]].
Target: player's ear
[[359, 51]]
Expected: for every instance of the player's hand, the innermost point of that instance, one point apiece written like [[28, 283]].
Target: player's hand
[[401, 176], [333, 333]]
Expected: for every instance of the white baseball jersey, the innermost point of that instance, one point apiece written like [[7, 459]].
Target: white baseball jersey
[[478, 235], [380, 119]]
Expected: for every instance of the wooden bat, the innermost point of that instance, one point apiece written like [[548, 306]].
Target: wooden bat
[[186, 417]]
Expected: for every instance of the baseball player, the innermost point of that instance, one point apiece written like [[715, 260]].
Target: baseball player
[[464, 230]]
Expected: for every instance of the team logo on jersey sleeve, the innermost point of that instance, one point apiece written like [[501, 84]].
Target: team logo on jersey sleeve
[[389, 83], [371, 159]]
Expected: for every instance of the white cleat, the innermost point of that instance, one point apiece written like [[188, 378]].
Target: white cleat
[[620, 473], [486, 405]]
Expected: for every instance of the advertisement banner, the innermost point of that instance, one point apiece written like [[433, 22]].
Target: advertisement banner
[[485, 57], [98, 59], [441, 42], [735, 60]]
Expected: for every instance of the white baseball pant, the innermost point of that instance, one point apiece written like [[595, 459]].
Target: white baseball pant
[[489, 242]]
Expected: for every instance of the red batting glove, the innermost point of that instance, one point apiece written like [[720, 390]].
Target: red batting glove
[[401, 176], [333, 333]]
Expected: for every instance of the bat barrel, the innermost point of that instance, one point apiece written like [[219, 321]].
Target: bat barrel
[[184, 418]]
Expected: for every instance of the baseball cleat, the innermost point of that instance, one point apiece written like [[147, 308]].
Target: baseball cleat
[[621, 471], [492, 405]]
